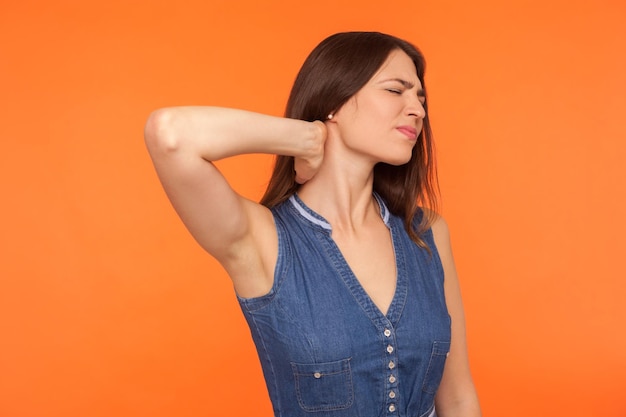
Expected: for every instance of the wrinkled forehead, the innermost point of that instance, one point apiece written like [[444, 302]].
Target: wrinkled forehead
[[398, 66]]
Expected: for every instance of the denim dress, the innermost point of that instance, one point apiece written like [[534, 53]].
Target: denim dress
[[325, 348]]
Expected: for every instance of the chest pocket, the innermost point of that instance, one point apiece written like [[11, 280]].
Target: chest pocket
[[435, 366], [324, 386], [438, 356]]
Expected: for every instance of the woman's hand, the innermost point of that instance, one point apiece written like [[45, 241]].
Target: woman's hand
[[307, 166]]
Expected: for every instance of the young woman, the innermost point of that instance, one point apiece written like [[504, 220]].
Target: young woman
[[347, 284]]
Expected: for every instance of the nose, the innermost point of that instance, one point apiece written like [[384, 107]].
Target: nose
[[415, 108]]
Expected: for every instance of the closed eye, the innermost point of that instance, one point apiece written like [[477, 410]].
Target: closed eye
[[394, 91]]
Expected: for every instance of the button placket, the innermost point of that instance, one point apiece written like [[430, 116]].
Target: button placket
[[392, 363]]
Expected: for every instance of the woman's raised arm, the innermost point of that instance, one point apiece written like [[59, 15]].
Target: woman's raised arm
[[183, 142]]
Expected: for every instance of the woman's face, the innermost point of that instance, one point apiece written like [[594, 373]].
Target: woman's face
[[383, 119]]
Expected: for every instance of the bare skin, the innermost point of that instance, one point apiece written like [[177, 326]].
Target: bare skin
[[334, 162]]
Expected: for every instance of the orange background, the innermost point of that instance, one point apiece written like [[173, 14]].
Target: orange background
[[109, 308]]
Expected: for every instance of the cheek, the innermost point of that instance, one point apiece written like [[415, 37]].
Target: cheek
[[383, 110], [361, 117]]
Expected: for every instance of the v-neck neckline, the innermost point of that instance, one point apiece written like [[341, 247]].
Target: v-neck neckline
[[374, 312]]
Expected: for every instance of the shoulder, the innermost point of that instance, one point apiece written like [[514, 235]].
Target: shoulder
[[440, 228], [441, 237], [435, 224]]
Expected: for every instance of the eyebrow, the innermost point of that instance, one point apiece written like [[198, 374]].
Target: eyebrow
[[408, 85]]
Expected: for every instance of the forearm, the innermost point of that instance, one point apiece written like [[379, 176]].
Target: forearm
[[214, 133]]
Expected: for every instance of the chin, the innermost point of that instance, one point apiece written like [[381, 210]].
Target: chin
[[397, 160]]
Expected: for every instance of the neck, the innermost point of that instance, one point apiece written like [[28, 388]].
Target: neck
[[341, 192]]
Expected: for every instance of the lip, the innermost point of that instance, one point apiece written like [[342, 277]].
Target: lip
[[408, 131]]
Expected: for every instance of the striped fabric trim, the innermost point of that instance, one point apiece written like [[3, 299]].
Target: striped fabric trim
[[308, 215]]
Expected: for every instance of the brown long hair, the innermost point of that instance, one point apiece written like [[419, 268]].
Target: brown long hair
[[334, 71]]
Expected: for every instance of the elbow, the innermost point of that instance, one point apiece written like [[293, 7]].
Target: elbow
[[159, 133]]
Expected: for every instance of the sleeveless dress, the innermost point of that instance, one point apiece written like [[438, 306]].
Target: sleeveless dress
[[325, 348]]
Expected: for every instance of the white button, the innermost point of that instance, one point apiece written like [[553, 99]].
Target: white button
[[392, 408], [392, 394], [389, 348], [392, 379], [391, 365], [387, 332], [317, 375]]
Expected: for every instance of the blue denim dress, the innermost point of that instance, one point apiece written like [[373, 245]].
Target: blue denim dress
[[325, 348]]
